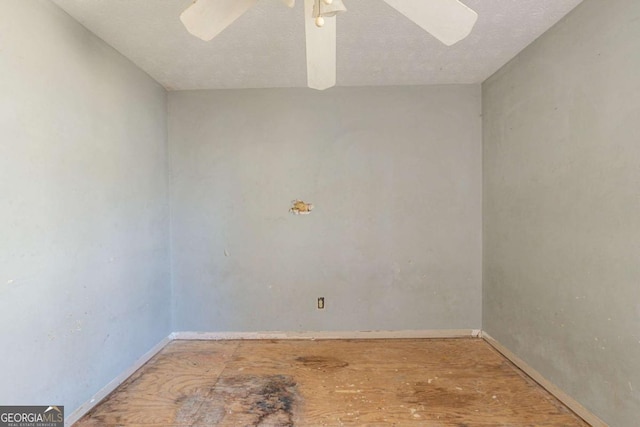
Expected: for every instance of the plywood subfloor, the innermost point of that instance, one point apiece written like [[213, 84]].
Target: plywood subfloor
[[417, 382]]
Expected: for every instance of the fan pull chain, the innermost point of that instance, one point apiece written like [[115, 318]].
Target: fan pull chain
[[320, 18]]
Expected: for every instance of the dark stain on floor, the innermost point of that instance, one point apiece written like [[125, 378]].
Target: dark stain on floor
[[321, 362], [249, 400], [275, 404]]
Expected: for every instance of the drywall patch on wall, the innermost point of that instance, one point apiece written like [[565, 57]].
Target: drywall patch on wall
[[397, 172], [298, 207], [562, 207]]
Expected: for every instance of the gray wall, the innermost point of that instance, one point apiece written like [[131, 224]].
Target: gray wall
[[84, 287], [562, 207], [394, 241]]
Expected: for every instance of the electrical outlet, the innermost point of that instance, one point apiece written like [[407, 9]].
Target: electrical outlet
[[321, 303]]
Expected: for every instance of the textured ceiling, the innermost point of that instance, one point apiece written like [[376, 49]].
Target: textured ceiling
[[265, 47]]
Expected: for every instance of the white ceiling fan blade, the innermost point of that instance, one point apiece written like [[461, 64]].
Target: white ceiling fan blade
[[447, 20], [289, 3], [206, 19], [321, 50]]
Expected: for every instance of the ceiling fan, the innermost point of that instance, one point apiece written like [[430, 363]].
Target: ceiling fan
[[447, 20]]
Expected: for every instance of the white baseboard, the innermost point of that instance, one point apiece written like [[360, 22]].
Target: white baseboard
[[328, 335], [563, 397], [106, 390]]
